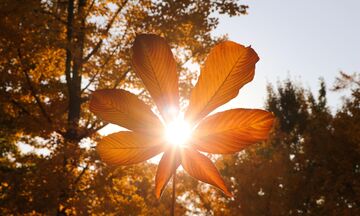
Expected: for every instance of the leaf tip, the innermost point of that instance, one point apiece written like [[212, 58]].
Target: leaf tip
[[157, 194]]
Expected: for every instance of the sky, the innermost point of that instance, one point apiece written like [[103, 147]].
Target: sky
[[301, 40]]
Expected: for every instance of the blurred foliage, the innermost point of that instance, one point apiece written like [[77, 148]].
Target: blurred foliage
[[54, 53]]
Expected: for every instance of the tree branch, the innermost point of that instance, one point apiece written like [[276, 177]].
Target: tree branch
[[89, 9], [81, 174], [93, 129], [121, 78], [108, 27], [33, 90], [99, 71], [106, 61], [18, 105], [51, 15]]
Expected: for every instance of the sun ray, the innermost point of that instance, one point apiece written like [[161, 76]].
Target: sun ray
[[178, 132]]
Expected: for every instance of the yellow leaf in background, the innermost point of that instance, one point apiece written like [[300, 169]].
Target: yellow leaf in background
[[125, 109], [154, 63], [232, 130], [125, 148], [228, 67], [201, 168]]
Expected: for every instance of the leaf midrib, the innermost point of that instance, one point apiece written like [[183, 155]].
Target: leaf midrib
[[147, 147], [146, 53]]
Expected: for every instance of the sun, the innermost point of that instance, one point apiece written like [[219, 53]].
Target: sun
[[178, 132]]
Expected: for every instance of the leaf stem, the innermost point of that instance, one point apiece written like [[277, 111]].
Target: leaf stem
[[173, 202]]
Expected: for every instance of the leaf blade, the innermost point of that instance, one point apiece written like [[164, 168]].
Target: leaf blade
[[232, 130], [228, 67], [125, 109], [154, 63], [201, 168], [126, 148], [169, 161]]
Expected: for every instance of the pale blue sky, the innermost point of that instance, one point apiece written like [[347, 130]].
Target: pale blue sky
[[303, 40]]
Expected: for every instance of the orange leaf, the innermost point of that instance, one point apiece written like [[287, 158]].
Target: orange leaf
[[201, 168], [126, 147], [154, 63], [125, 109], [232, 130], [169, 162], [228, 67]]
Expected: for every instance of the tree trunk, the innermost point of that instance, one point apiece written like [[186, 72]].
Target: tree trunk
[[75, 36]]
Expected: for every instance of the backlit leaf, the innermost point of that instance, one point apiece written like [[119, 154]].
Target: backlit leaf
[[201, 168], [169, 161], [125, 109], [232, 130], [228, 67], [153, 61], [126, 147]]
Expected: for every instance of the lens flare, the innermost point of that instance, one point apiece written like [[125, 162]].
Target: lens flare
[[178, 132]]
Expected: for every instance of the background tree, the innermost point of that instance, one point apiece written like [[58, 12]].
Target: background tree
[[310, 164], [52, 55]]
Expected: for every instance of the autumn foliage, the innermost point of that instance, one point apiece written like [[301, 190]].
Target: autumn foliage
[[55, 54]]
